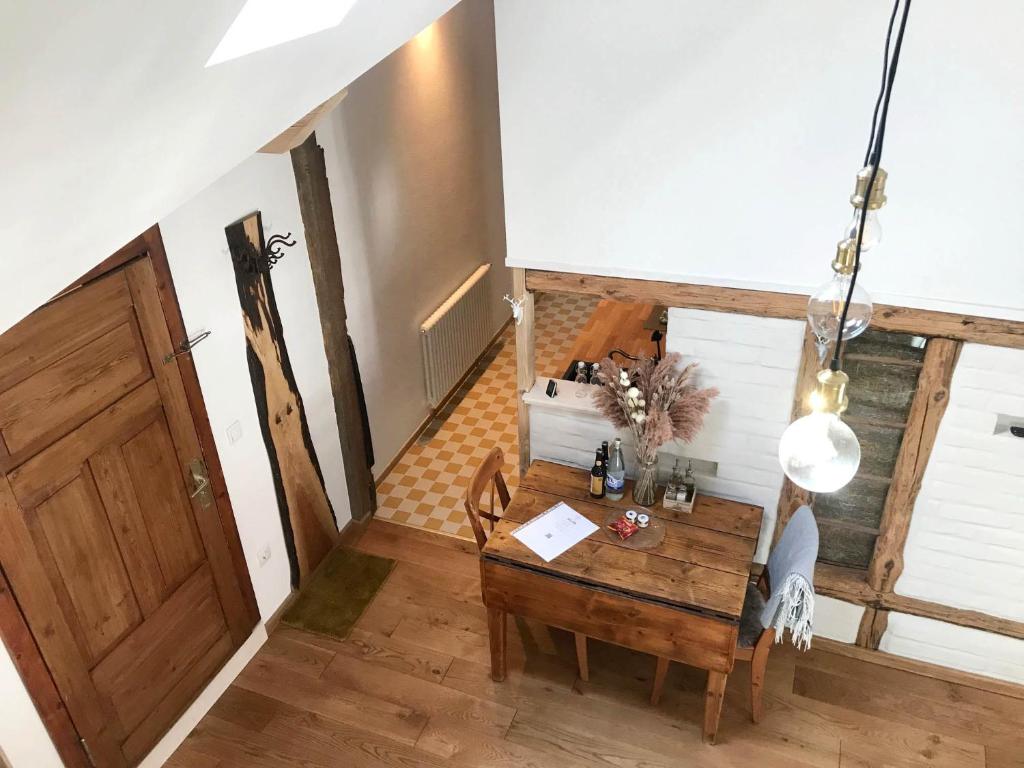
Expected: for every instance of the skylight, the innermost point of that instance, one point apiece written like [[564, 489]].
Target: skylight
[[266, 23]]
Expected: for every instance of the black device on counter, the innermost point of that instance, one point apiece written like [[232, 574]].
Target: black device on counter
[[552, 389]]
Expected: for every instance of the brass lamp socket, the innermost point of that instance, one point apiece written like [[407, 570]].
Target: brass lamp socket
[[830, 395], [846, 257], [878, 198]]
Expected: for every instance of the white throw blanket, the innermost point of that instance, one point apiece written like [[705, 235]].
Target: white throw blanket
[[791, 574]]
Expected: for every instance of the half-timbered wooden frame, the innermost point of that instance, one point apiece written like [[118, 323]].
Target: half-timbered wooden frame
[[947, 332]]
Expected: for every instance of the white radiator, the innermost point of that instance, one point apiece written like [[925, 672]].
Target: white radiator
[[455, 335]]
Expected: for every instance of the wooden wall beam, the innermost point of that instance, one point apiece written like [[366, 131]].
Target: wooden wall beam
[[526, 363], [849, 585], [842, 583], [926, 413], [303, 128], [314, 192], [981, 330], [959, 616], [872, 626]]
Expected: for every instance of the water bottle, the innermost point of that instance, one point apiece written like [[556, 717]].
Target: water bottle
[[615, 474], [581, 373]]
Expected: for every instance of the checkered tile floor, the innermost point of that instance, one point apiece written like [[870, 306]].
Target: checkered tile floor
[[426, 487]]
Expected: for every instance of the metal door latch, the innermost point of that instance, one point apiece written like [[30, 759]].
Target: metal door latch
[[201, 490], [185, 347]]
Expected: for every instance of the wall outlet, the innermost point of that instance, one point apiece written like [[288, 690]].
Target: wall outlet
[[234, 432], [263, 555]]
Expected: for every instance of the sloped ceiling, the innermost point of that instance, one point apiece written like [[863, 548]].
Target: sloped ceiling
[[109, 119]]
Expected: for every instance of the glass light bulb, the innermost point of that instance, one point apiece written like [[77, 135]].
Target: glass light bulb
[[819, 452], [826, 306], [872, 229]]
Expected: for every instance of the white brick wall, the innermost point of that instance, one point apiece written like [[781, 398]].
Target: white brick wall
[[949, 645], [753, 362], [966, 543], [836, 619]]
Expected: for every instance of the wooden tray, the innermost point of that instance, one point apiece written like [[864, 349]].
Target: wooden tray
[[646, 538]]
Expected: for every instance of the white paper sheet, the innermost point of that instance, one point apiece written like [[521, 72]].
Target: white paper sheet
[[551, 533]]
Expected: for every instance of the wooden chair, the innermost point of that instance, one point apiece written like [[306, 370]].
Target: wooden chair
[[488, 474], [756, 653], [795, 552]]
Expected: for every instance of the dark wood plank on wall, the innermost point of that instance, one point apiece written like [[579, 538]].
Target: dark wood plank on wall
[[310, 528], [325, 262]]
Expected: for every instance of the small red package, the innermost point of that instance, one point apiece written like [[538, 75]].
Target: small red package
[[624, 528]]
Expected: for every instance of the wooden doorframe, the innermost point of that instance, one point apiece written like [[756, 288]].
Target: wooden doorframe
[[14, 629]]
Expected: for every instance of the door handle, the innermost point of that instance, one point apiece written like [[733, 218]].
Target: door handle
[[201, 490]]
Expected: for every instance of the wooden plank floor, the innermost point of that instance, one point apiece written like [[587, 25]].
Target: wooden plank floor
[[410, 687]]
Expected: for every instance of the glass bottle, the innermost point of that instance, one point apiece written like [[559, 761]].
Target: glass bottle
[[597, 476], [581, 373], [674, 489], [595, 370], [689, 483], [615, 475]]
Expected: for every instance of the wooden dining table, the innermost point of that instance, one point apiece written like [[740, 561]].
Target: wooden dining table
[[680, 600]]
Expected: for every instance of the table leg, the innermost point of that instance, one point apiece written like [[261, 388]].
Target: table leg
[[713, 704], [659, 680], [496, 628]]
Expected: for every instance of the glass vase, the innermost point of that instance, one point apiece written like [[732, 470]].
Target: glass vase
[[646, 480]]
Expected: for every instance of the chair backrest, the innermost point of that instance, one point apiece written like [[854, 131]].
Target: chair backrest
[[796, 547], [487, 474], [795, 555]]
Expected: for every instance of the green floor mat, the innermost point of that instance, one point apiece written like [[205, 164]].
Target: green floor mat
[[345, 583]]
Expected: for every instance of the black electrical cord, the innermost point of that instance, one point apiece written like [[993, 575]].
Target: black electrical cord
[[875, 154], [623, 354], [881, 90]]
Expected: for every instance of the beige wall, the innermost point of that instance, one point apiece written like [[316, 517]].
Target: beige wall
[[414, 161]]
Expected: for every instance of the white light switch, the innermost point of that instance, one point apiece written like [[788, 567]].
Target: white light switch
[[234, 432]]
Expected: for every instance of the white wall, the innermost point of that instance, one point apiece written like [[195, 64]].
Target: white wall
[[717, 143], [967, 531], [414, 161], [204, 279], [753, 362], [109, 119], [949, 645], [836, 619]]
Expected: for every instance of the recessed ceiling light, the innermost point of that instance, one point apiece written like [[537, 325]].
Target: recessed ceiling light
[[266, 23]]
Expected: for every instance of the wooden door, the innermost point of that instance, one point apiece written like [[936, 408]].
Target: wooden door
[[122, 570]]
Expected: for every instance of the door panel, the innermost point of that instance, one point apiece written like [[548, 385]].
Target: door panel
[[124, 579], [56, 466], [156, 479], [29, 347], [76, 386], [150, 662], [144, 289], [73, 527], [129, 526]]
